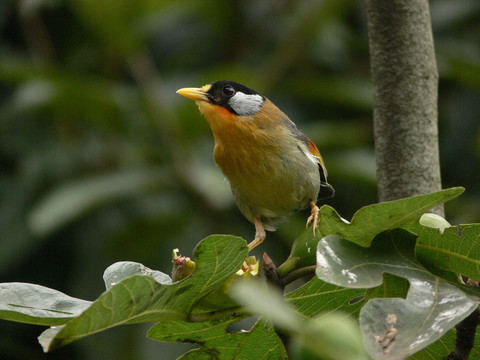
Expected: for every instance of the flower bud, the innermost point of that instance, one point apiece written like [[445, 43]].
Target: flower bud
[[182, 266]]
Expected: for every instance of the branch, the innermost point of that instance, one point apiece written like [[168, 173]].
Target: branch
[[297, 274], [465, 337], [284, 278], [405, 79]]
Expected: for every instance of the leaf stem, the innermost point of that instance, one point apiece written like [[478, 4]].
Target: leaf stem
[[289, 265], [297, 274]]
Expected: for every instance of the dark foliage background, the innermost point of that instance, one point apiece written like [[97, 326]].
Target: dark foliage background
[[100, 160]]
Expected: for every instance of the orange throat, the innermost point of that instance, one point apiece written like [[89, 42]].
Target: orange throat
[[239, 144]]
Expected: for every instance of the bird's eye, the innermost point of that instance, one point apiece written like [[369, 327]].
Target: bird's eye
[[228, 91]]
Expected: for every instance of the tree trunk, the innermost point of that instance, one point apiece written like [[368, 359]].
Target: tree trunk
[[405, 80]]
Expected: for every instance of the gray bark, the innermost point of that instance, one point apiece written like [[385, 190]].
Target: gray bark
[[405, 79]]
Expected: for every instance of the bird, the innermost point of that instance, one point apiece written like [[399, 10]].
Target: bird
[[273, 168]]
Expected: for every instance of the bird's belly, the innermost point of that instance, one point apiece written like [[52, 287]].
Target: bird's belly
[[267, 185]]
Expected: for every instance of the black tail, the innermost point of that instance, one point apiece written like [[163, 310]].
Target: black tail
[[326, 191]]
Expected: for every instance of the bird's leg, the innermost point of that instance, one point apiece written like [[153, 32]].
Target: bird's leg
[[259, 234], [313, 218]]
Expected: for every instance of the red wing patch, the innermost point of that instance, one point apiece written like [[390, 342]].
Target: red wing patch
[[315, 152], [313, 148]]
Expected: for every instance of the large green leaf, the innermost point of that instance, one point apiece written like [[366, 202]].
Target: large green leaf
[[432, 307], [456, 250], [373, 219], [333, 335], [317, 296], [140, 298], [366, 224], [35, 304], [260, 342]]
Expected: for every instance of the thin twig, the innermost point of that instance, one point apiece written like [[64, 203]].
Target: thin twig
[[297, 274]]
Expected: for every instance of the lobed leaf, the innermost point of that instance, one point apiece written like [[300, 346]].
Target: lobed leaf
[[373, 219], [456, 250], [432, 307], [319, 297], [260, 342], [332, 335], [39, 305], [140, 298]]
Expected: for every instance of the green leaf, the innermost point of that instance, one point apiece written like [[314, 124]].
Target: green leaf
[[432, 307], [35, 304], [258, 298], [373, 219], [317, 296], [140, 298], [456, 250], [260, 342], [332, 335], [392, 286], [444, 346], [123, 269], [302, 252]]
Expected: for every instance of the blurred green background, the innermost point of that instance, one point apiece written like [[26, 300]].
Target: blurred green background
[[100, 160]]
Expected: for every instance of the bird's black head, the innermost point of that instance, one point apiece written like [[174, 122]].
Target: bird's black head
[[235, 97]]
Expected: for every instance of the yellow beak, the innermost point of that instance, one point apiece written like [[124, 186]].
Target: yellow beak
[[197, 94]]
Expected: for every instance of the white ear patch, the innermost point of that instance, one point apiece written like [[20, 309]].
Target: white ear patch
[[245, 104]]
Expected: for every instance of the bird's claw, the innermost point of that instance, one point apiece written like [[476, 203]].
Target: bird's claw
[[313, 218], [259, 234]]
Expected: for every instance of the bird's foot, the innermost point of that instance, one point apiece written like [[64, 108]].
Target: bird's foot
[[259, 234], [313, 218]]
